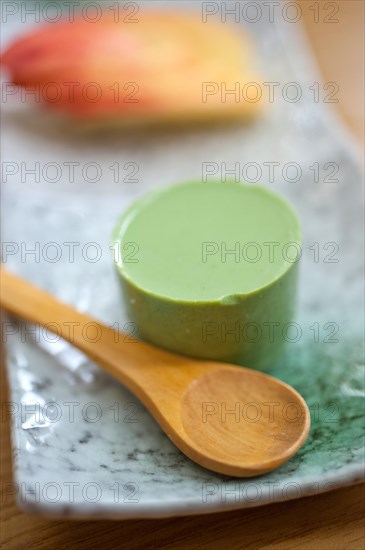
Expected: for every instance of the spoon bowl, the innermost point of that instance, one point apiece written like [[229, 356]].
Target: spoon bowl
[[231, 420], [241, 424]]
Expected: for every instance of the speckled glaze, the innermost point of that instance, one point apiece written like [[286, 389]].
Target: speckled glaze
[[109, 458]]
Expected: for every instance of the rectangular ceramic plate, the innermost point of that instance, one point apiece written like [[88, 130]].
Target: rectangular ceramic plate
[[84, 446]]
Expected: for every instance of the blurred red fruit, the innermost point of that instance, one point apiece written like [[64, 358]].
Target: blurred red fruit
[[165, 67]]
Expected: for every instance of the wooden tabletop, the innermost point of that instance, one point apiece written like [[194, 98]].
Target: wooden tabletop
[[330, 521]]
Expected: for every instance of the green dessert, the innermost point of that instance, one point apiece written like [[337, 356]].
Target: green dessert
[[209, 270]]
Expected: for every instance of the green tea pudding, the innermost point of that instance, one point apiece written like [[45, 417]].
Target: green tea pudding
[[209, 270]]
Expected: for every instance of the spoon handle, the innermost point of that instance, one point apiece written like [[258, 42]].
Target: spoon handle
[[133, 362]]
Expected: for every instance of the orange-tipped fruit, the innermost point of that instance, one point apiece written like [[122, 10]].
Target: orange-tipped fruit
[[167, 67]]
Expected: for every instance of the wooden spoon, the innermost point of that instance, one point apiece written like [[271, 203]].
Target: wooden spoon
[[229, 419]]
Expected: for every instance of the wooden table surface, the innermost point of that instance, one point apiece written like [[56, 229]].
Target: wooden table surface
[[330, 521]]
